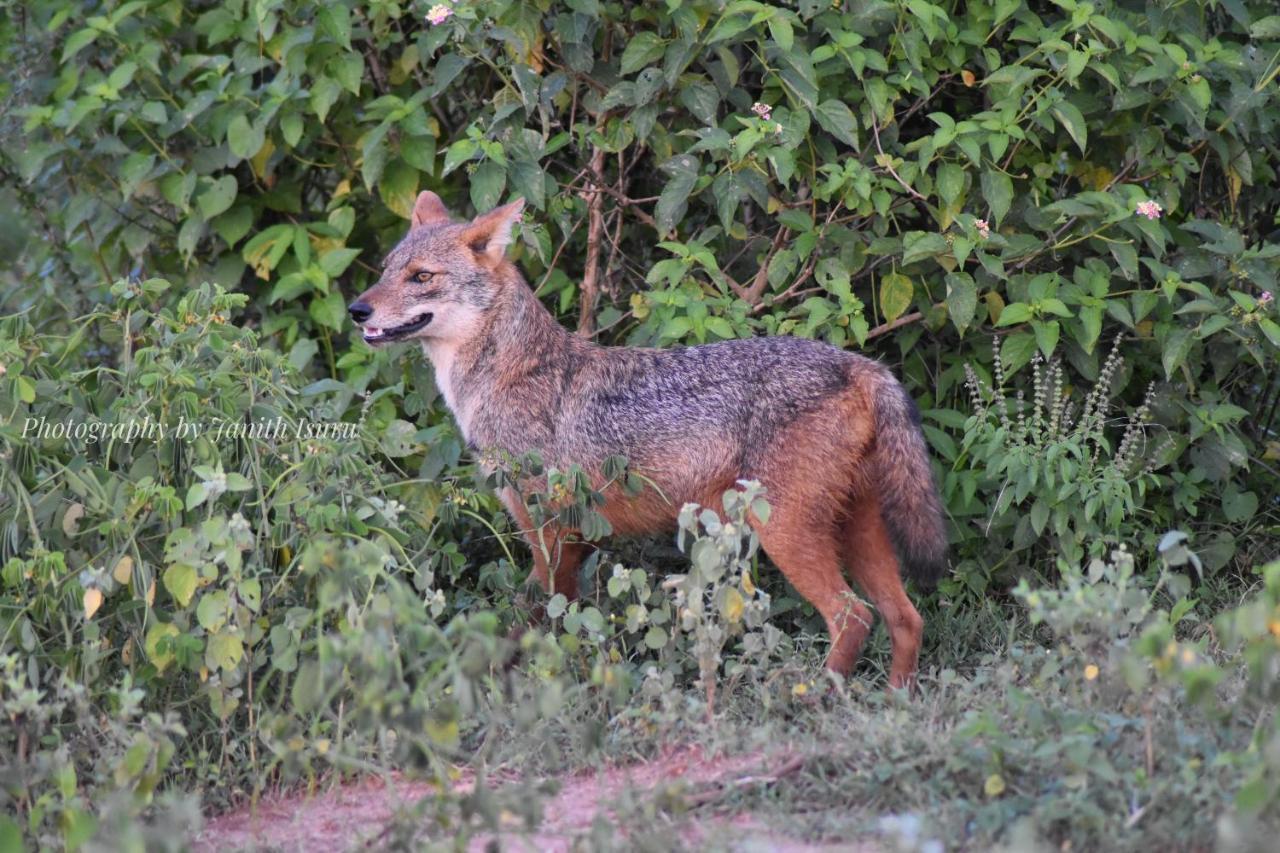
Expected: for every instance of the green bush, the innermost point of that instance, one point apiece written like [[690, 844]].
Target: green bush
[[894, 175]]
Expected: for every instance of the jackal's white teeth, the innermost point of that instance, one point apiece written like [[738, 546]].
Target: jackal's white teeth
[[371, 332]]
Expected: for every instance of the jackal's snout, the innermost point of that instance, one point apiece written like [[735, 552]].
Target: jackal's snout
[[360, 311]]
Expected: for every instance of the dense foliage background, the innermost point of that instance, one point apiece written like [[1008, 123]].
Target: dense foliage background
[[912, 179]]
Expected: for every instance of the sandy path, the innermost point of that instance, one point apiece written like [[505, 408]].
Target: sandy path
[[353, 814]]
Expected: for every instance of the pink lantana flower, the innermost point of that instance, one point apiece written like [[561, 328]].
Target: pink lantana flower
[[1263, 301], [1150, 209], [438, 14], [762, 110], [984, 228]]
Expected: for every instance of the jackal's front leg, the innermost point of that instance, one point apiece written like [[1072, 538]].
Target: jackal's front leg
[[556, 556]]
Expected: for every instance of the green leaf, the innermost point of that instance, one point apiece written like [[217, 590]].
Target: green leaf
[[962, 300], [325, 92], [291, 128], [780, 29], [644, 49], [1052, 305], [1176, 348], [896, 291], [218, 197], [1012, 315], [1070, 118], [308, 687], [1017, 350], [348, 70], [329, 311], [399, 188], [335, 261], [674, 199], [1239, 506], [158, 643], [1200, 93], [225, 650], [457, 154], [334, 20], [77, 42], [1047, 336], [265, 249], [447, 69], [234, 224], [26, 389], [211, 612], [11, 833], [1039, 515], [237, 482], [244, 139], [837, 119], [919, 245], [1271, 329], [950, 182], [1263, 28], [180, 580], [702, 100], [78, 826], [133, 171], [593, 620], [997, 189], [727, 27], [486, 185], [196, 495], [798, 76]]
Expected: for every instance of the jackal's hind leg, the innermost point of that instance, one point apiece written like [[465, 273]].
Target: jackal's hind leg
[[807, 556], [873, 565]]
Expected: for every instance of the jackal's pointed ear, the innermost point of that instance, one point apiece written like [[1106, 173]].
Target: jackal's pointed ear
[[490, 234], [429, 210]]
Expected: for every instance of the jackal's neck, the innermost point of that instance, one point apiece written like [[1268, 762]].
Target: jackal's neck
[[496, 378], [520, 335]]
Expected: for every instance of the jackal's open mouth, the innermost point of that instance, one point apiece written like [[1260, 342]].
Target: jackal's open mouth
[[373, 334]]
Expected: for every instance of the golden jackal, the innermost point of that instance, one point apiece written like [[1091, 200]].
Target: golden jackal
[[832, 435]]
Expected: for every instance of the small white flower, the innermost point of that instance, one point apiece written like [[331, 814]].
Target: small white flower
[[1149, 209]]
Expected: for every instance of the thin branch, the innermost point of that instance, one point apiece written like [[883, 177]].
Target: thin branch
[[904, 320], [1051, 243], [537, 291], [887, 162], [627, 202], [595, 230], [752, 293]]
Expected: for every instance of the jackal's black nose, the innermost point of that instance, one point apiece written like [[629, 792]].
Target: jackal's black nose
[[360, 311]]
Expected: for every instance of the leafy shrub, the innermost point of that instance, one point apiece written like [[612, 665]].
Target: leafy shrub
[[1097, 732], [1065, 481], [883, 174]]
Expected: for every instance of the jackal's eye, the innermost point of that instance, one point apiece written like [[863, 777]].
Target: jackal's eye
[[422, 277]]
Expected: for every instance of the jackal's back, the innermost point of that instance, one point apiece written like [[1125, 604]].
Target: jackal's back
[[742, 392]]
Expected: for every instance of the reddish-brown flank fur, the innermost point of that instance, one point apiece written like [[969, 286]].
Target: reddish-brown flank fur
[[831, 435]]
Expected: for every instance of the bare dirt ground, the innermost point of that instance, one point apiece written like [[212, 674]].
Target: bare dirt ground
[[355, 815]]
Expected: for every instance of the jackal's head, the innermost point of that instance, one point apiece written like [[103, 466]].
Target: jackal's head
[[438, 282]]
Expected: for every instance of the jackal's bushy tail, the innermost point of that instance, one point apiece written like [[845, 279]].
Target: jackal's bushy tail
[[909, 502]]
